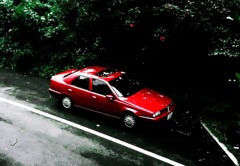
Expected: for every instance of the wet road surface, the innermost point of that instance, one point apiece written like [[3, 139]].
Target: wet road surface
[[55, 143], [30, 139]]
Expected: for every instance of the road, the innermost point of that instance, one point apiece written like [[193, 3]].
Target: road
[[30, 139], [35, 131]]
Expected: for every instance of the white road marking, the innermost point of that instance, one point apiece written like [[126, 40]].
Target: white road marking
[[143, 151], [230, 155]]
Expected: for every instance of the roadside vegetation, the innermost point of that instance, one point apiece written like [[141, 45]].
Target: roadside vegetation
[[190, 48]]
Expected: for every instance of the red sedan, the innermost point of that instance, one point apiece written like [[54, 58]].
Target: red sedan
[[110, 92]]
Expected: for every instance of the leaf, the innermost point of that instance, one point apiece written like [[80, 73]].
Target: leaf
[[238, 76]]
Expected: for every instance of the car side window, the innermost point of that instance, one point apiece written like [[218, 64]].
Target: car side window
[[100, 87], [81, 82]]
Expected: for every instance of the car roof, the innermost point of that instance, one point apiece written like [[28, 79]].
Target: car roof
[[105, 73]]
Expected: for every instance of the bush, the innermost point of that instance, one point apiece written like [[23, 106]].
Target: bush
[[183, 34]]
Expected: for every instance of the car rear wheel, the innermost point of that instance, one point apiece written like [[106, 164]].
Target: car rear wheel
[[129, 121], [67, 102]]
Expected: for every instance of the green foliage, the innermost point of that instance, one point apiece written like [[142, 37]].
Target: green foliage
[[63, 33], [238, 76], [38, 32]]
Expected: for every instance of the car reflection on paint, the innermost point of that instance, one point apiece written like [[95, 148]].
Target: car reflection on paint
[[110, 92]]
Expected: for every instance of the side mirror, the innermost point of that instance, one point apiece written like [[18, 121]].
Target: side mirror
[[110, 97]]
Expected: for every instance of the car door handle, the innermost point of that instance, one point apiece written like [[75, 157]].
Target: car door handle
[[94, 97], [70, 90]]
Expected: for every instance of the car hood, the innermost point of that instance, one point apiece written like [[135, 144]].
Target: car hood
[[149, 99]]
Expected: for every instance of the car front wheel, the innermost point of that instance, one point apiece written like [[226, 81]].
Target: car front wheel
[[129, 121], [66, 102]]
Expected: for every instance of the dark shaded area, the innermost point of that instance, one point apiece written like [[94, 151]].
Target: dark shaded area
[[233, 133], [180, 62], [5, 161], [17, 2]]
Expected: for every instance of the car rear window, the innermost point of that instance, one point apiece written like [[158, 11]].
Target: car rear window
[[69, 73], [125, 85], [106, 72]]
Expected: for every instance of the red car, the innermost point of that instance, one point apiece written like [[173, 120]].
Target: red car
[[110, 92]]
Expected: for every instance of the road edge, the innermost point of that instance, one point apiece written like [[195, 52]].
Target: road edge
[[224, 148]]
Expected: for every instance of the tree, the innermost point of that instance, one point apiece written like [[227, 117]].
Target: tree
[[56, 34]]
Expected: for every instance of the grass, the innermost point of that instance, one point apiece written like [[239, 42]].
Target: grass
[[221, 114]]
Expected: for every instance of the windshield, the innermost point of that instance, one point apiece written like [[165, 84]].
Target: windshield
[[125, 86]]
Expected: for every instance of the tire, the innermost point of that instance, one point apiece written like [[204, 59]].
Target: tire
[[129, 121], [67, 103]]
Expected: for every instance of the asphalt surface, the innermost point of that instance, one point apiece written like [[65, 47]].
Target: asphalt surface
[[25, 137], [30, 139]]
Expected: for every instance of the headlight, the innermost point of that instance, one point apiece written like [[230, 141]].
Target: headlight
[[156, 114]]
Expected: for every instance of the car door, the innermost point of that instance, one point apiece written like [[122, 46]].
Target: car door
[[100, 102], [79, 90]]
